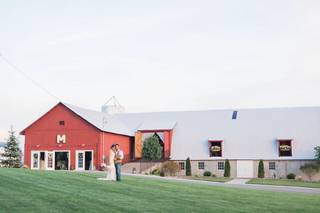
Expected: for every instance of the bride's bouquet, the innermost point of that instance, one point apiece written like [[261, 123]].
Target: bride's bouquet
[[103, 166]]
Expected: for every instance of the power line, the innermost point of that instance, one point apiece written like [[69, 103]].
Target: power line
[[29, 78]]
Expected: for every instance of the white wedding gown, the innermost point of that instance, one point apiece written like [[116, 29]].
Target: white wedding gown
[[111, 169]]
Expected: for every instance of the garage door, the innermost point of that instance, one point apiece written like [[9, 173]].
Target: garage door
[[244, 169]]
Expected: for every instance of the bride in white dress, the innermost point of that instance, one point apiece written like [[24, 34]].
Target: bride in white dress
[[111, 169]]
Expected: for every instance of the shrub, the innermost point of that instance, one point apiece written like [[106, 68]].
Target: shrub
[[152, 150], [310, 169], [188, 167], [291, 176], [170, 168], [207, 173], [261, 169], [155, 172], [227, 168], [213, 175]]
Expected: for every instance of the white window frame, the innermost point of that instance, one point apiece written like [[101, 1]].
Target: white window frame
[[220, 167], [204, 165], [182, 167], [84, 159], [275, 165]]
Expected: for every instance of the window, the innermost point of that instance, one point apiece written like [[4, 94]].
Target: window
[[35, 164], [272, 165], [50, 160], [201, 165], [221, 165], [61, 123], [181, 165], [234, 115], [80, 160], [285, 148], [215, 149]]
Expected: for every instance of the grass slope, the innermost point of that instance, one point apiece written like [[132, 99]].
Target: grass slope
[[41, 191], [285, 182]]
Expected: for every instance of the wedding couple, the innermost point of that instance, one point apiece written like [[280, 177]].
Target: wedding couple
[[115, 159]]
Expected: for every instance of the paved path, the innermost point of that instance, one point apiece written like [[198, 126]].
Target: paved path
[[237, 184], [238, 181]]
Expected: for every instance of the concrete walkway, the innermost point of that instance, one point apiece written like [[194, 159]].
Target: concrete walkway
[[237, 183]]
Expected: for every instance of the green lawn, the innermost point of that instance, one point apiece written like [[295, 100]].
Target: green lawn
[[211, 179], [40, 191], [285, 182]]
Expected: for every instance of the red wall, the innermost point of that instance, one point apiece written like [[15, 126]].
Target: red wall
[[80, 135], [123, 141]]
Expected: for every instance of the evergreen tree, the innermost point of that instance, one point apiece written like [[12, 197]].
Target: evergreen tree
[[317, 153], [188, 167], [261, 169], [12, 152], [152, 150], [227, 169]]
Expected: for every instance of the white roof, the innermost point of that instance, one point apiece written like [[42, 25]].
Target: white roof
[[253, 135], [157, 125], [102, 121], [215, 139]]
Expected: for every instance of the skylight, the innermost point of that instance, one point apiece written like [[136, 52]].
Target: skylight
[[234, 115]]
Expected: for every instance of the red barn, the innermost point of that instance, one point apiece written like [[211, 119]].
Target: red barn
[[63, 136], [69, 137]]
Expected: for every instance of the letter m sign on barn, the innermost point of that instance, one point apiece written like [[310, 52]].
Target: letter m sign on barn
[[61, 139]]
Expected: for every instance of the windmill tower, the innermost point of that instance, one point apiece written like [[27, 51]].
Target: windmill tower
[[112, 106]]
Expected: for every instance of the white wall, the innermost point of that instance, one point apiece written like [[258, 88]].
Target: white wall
[[253, 135]]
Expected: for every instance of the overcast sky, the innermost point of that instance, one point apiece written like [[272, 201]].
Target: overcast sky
[[158, 55]]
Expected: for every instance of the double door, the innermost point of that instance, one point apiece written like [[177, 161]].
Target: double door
[[42, 160], [84, 160]]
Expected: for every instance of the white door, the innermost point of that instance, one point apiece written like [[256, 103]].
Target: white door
[[80, 160], [35, 159], [244, 169], [50, 160]]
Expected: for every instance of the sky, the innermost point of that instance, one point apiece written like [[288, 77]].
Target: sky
[[157, 55]]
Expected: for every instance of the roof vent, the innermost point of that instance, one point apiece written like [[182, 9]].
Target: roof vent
[[112, 106], [234, 115]]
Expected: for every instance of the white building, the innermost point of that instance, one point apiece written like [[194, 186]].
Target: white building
[[284, 138]]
